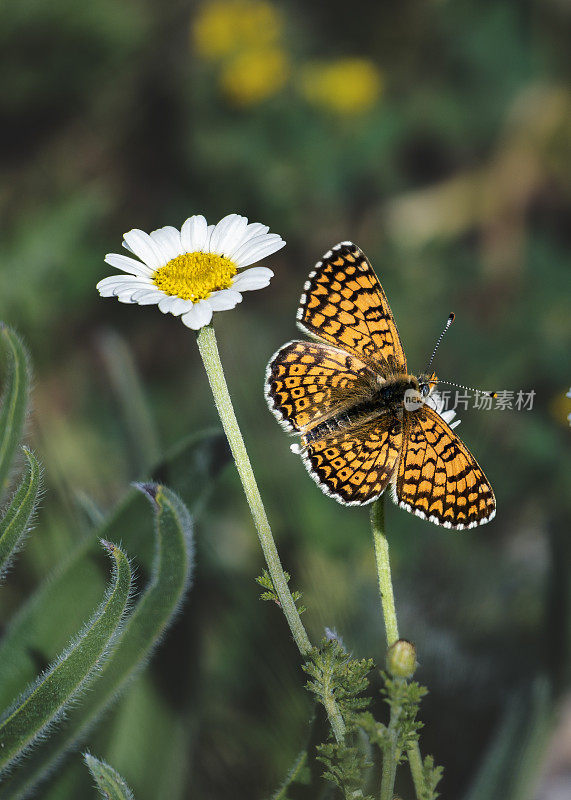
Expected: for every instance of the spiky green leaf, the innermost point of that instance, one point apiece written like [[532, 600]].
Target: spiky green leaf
[[110, 784], [45, 701], [15, 523], [15, 399], [36, 631], [141, 632]]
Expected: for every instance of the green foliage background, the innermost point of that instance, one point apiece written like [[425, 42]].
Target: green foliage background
[[456, 184]]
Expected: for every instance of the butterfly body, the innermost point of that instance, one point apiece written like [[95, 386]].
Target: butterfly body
[[387, 397], [365, 422]]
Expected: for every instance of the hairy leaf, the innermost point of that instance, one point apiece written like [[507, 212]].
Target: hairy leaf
[[15, 523], [36, 634], [110, 784], [141, 632], [14, 402], [48, 698]]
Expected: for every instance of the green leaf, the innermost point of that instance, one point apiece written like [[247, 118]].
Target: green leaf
[[15, 523], [140, 634], [37, 630], [14, 402], [108, 781], [48, 698], [335, 674]]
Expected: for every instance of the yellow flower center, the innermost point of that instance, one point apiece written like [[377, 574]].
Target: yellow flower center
[[194, 276]]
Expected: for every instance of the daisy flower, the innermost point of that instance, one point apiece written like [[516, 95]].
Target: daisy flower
[[195, 271]]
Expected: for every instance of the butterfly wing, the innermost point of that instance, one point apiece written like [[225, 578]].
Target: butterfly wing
[[344, 304], [308, 382], [354, 466], [438, 478]]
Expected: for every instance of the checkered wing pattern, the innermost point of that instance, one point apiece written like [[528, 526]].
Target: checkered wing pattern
[[309, 382], [344, 304], [438, 478], [354, 466]]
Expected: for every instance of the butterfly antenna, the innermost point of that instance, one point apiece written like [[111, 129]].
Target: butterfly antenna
[[449, 322], [469, 388]]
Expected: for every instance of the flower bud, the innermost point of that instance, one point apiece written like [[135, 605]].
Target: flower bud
[[401, 659]]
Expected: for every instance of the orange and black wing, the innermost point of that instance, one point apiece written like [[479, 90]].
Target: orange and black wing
[[438, 478], [344, 304], [309, 382], [354, 466]]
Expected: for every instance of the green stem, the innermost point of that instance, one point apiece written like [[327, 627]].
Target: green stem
[[211, 358], [392, 634], [389, 774], [416, 770], [384, 570]]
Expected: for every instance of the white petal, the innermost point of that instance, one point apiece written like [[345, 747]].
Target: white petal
[[224, 300], [168, 238], [448, 416], [228, 234], [144, 247], [130, 288], [174, 305], [138, 295], [253, 278], [257, 248], [166, 303], [112, 285], [256, 228], [253, 230], [146, 297], [193, 234], [199, 315], [127, 264], [180, 306]]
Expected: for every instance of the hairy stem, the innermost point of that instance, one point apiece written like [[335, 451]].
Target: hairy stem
[[211, 358], [416, 770], [392, 634], [389, 774], [384, 570]]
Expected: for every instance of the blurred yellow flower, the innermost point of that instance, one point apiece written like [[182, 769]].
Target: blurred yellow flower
[[254, 75], [346, 86], [222, 27]]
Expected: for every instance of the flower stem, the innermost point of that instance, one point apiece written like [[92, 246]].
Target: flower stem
[[211, 358], [384, 570], [392, 634]]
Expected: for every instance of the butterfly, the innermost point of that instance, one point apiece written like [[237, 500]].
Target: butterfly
[[365, 423]]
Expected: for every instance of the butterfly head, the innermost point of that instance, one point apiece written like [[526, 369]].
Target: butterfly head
[[427, 384]]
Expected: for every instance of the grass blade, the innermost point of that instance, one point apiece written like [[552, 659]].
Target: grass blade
[[140, 635], [108, 781], [14, 402], [15, 523], [47, 699]]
